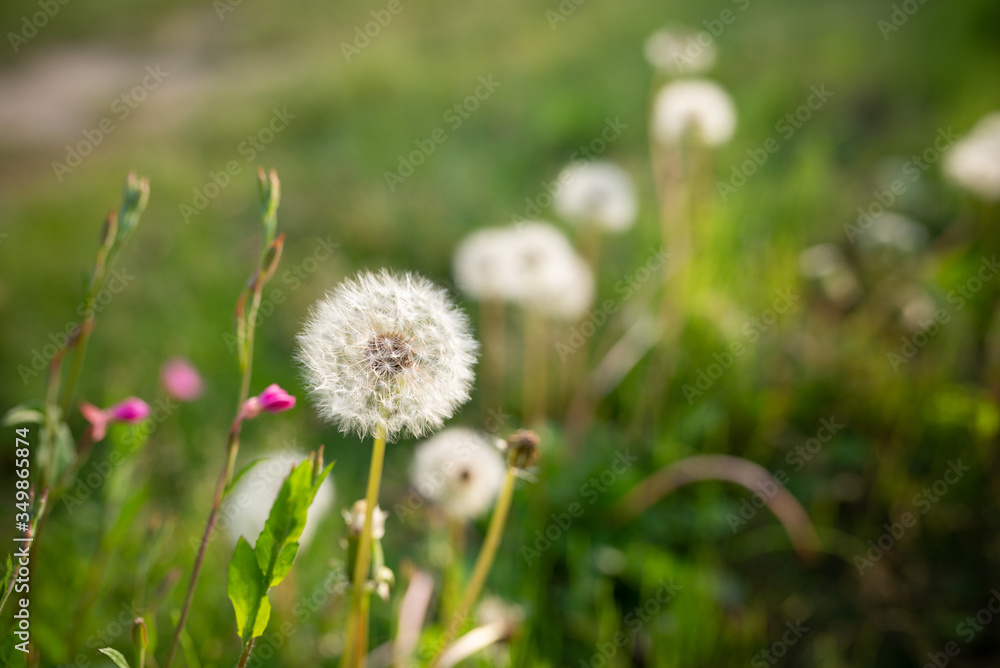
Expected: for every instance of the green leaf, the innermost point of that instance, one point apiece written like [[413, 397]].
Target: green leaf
[[6, 575], [288, 516], [25, 413], [7, 651], [283, 563], [248, 592], [242, 472], [115, 656]]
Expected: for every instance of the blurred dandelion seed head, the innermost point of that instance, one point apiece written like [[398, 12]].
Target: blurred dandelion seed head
[[599, 193], [483, 265], [390, 352], [531, 264], [973, 163], [678, 50], [693, 106], [553, 279], [460, 470]]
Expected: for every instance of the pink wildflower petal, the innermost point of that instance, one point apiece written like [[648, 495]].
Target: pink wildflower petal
[[131, 410], [275, 400], [97, 418], [182, 380]]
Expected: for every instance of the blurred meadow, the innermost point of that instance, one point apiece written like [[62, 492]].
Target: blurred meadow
[[824, 393]]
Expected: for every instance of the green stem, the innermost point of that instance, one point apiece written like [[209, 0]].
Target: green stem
[[484, 562], [220, 488], [355, 647], [245, 656]]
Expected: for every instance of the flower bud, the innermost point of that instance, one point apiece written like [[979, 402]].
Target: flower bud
[[355, 518], [522, 449]]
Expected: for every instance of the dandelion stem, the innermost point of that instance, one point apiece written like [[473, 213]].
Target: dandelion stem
[[356, 638], [484, 562]]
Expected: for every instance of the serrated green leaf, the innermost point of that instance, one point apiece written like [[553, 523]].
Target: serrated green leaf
[[23, 414], [248, 591], [242, 472], [115, 656]]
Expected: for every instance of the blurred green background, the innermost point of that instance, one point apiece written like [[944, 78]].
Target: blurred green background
[[348, 124]]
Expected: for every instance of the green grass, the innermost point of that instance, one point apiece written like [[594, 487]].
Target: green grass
[[352, 121]]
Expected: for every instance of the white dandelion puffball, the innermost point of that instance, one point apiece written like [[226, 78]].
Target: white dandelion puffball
[[483, 265], [390, 353], [248, 505], [552, 278], [460, 470], [355, 518], [599, 193], [677, 50], [694, 106], [973, 163]]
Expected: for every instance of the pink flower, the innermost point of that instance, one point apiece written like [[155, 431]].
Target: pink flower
[[129, 410], [273, 400], [182, 380]]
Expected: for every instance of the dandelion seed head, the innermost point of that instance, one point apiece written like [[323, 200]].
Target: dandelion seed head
[[483, 265], [599, 193], [553, 279], [973, 163], [460, 470], [695, 106], [679, 50], [390, 352]]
